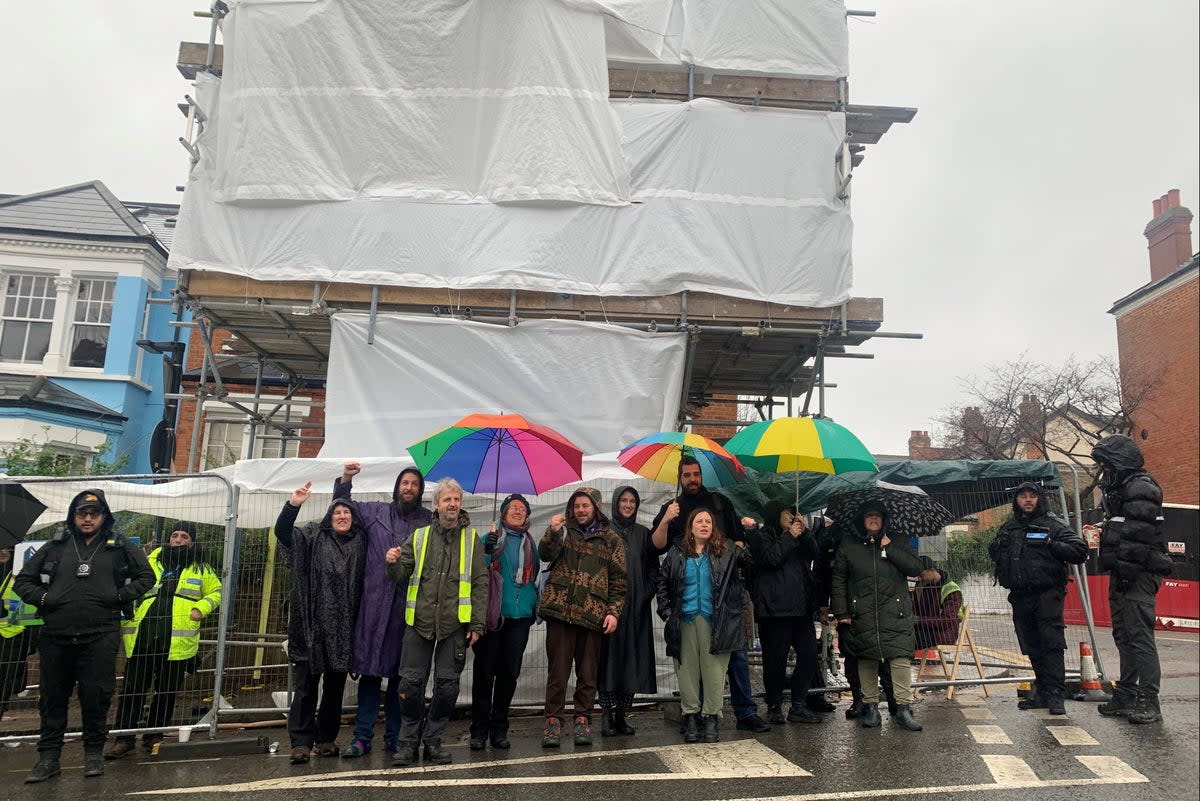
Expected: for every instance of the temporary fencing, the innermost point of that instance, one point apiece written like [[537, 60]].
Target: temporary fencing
[[241, 670]]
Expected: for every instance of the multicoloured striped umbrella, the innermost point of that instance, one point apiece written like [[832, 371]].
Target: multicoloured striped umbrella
[[499, 453], [657, 458], [809, 444]]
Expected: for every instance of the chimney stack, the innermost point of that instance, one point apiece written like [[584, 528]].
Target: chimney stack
[[1169, 235]]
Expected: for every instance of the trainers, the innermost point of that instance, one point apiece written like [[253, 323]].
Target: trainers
[[819, 703], [1032, 701], [326, 749], [753, 723], [583, 730], [46, 768], [300, 754], [1120, 706], [775, 715], [1055, 705], [552, 734], [801, 714], [356, 749], [119, 749]]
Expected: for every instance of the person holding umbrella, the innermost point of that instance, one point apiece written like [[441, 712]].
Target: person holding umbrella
[[870, 596], [18, 637], [509, 549]]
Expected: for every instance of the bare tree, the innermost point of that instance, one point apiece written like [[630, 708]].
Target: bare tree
[[1022, 409]]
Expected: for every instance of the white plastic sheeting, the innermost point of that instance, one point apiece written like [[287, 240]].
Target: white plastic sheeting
[[785, 38], [436, 100], [729, 199], [600, 386]]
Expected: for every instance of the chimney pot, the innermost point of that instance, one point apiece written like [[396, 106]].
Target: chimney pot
[[1168, 235], [1158, 206], [1173, 199]]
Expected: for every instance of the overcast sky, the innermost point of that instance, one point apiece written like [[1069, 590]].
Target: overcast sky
[[1007, 217]]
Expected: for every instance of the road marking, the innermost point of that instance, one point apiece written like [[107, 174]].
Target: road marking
[[969, 700], [1009, 770], [977, 713], [1111, 769], [1044, 714], [738, 759], [1072, 735], [989, 735]]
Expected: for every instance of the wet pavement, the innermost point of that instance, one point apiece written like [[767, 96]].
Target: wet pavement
[[981, 747]]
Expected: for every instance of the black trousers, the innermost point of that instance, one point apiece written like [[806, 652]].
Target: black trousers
[[778, 636], [1041, 633], [14, 660], [89, 663], [1132, 605], [497, 666], [447, 657], [850, 667], [308, 724], [143, 671]]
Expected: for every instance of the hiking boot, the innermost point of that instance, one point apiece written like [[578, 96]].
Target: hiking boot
[[93, 764], [1147, 711], [1120, 706], [622, 724], [120, 749], [709, 734], [691, 729], [870, 716], [46, 768], [1032, 701], [802, 714], [753, 723], [326, 749], [435, 754], [500, 741], [300, 754], [583, 730], [552, 734], [406, 753], [608, 725], [775, 715], [1055, 705], [357, 749], [906, 720], [819, 703], [855, 710]]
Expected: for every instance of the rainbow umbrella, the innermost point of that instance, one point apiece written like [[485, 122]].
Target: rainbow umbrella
[[499, 453], [801, 444], [656, 457]]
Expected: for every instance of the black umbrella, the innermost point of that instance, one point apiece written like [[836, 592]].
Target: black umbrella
[[911, 513], [18, 511]]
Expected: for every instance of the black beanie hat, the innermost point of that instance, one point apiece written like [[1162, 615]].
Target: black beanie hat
[[186, 527]]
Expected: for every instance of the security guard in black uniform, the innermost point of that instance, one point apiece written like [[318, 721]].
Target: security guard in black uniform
[[1031, 551], [81, 581]]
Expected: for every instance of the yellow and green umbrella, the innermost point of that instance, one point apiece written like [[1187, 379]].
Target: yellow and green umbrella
[[809, 444]]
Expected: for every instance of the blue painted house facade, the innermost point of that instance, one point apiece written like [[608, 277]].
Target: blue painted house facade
[[83, 279]]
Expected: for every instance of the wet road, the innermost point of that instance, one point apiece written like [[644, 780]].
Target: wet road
[[974, 746]]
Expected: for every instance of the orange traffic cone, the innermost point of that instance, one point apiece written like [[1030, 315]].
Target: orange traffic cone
[[1089, 679]]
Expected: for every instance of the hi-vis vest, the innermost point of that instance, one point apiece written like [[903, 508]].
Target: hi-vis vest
[[947, 589], [20, 614], [466, 552], [197, 589]]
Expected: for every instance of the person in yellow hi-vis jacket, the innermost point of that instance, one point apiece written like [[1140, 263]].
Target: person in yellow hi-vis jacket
[[18, 634], [163, 637], [442, 570]]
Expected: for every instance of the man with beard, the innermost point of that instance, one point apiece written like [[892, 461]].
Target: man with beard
[[581, 603], [1032, 550], [667, 530], [1133, 550], [445, 601], [162, 639], [81, 581], [379, 630]]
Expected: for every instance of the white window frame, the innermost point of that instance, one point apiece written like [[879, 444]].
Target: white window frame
[[90, 305], [290, 413], [50, 298]]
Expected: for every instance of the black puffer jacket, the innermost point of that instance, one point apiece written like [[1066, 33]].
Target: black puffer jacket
[[783, 580], [728, 593], [1133, 540], [1031, 552], [870, 588]]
